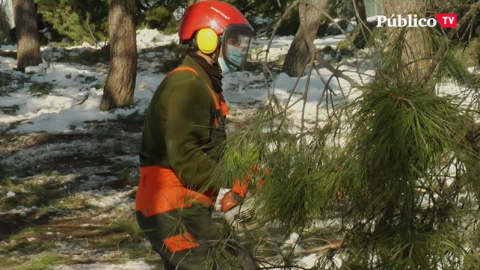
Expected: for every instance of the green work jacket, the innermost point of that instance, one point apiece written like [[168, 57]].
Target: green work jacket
[[179, 131]]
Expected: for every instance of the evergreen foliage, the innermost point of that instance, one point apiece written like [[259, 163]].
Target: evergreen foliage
[[390, 175], [160, 15], [402, 138], [157, 17], [85, 21]]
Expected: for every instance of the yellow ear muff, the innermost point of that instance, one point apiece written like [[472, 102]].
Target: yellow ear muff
[[207, 40]]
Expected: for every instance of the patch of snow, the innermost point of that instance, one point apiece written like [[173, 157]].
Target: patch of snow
[[178, 13], [350, 28], [8, 48], [109, 198], [260, 20], [309, 261], [281, 44], [149, 38], [19, 210], [292, 243], [74, 99], [373, 18]]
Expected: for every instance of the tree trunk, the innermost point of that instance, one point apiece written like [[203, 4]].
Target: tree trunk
[[416, 53], [4, 26], [120, 82], [28, 45], [298, 54], [361, 18], [360, 13]]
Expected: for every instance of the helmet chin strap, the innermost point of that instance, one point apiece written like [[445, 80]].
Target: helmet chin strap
[[215, 58], [210, 58]]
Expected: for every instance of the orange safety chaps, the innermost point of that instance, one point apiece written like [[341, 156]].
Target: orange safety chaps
[[176, 220]]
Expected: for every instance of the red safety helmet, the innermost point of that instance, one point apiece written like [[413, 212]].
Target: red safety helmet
[[215, 15], [207, 24]]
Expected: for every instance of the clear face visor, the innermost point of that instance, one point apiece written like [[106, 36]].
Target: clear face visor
[[236, 40]]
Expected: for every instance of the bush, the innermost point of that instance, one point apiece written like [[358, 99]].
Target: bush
[[80, 22], [158, 17]]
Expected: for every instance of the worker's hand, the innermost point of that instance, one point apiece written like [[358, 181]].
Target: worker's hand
[[240, 188], [256, 176], [235, 195], [229, 200]]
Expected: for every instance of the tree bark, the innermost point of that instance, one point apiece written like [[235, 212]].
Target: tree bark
[[28, 44], [416, 53], [4, 22], [361, 17], [120, 83], [360, 13], [310, 19]]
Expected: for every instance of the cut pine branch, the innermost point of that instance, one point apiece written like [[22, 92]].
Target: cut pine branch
[[329, 247]]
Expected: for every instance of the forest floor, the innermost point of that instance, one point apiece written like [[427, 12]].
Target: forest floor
[[69, 199], [68, 172]]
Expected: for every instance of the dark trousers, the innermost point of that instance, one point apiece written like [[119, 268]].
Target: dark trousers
[[209, 252]]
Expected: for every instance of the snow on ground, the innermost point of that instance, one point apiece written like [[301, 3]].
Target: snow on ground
[[148, 38], [280, 45], [77, 91], [63, 99]]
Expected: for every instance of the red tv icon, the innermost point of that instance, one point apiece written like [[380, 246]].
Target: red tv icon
[[447, 20]]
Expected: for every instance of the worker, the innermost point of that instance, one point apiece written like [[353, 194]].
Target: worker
[[183, 139]]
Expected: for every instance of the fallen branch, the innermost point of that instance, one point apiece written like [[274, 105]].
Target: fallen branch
[[468, 16], [332, 246], [337, 73]]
